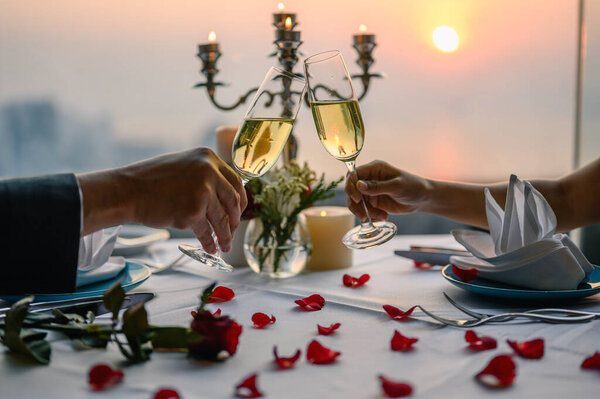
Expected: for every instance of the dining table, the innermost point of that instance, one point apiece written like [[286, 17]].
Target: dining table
[[440, 365]]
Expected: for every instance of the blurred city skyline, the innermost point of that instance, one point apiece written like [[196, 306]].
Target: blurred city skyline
[[502, 103]]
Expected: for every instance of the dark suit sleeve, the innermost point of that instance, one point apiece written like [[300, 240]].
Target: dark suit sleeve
[[40, 221]]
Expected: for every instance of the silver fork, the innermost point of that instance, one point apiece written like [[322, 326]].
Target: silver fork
[[566, 312], [466, 323]]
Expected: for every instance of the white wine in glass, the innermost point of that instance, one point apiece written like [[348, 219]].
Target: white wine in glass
[[258, 144], [341, 130], [260, 139]]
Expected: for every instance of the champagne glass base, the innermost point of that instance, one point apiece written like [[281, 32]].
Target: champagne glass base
[[367, 237], [202, 256]]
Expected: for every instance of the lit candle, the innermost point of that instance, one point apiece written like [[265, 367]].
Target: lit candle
[[284, 20], [362, 37], [327, 226], [212, 46]]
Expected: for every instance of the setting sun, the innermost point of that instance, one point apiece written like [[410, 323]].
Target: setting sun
[[445, 38]]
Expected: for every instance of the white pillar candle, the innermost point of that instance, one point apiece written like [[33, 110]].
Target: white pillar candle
[[327, 225], [225, 136]]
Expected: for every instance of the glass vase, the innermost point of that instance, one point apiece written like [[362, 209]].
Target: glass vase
[[273, 252]]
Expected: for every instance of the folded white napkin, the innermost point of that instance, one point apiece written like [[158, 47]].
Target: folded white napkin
[[95, 263], [522, 248]]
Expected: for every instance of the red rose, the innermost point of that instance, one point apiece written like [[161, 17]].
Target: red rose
[[252, 208], [219, 334]]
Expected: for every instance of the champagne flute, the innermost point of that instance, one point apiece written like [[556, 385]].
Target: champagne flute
[[340, 127], [260, 139]]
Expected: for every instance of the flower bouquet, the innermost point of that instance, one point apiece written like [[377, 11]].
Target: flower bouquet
[[277, 242]]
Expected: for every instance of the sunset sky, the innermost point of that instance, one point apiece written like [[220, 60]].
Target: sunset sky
[[502, 102]]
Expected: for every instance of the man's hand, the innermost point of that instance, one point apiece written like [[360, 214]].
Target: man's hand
[[386, 190], [191, 189]]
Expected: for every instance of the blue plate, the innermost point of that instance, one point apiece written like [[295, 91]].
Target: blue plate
[[133, 275], [492, 288]]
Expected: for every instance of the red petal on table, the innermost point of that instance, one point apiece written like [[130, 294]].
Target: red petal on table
[[396, 313], [401, 343], [102, 376], [310, 303], [528, 349], [217, 313], [499, 373], [248, 389], [393, 389], [261, 320], [423, 266], [318, 354], [285, 362], [328, 330], [221, 294], [354, 282], [592, 362], [477, 343], [465, 275], [166, 393]]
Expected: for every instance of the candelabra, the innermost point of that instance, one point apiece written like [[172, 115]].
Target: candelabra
[[287, 41]]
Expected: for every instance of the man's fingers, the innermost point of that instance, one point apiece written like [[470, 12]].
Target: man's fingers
[[203, 232], [230, 201], [237, 185], [219, 221]]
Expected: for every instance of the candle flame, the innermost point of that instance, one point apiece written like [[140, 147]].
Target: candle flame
[[280, 6], [323, 213], [288, 23], [362, 28], [212, 36]]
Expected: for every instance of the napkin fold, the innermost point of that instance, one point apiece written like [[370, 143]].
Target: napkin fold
[[95, 263], [522, 248]]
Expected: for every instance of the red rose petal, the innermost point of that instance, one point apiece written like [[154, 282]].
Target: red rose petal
[[247, 388], [311, 303], [318, 354], [166, 393], [423, 266], [217, 313], [354, 282], [396, 313], [477, 343], [592, 362], [393, 389], [401, 343], [499, 373], [465, 275], [529, 349], [102, 376], [261, 320], [221, 294], [328, 330], [285, 363]]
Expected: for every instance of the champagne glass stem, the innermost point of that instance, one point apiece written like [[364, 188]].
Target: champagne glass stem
[[368, 224]]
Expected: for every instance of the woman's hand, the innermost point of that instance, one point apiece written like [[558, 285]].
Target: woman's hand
[[386, 190]]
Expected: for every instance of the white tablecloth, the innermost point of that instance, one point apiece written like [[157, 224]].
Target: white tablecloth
[[440, 365]]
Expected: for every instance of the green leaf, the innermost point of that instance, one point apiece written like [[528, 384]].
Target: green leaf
[[113, 299], [28, 335], [135, 321], [206, 295], [173, 338], [95, 340], [35, 349]]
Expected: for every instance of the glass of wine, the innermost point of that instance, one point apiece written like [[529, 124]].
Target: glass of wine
[[341, 130], [260, 138]]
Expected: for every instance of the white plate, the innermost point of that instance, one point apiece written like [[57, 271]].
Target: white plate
[[135, 239]]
